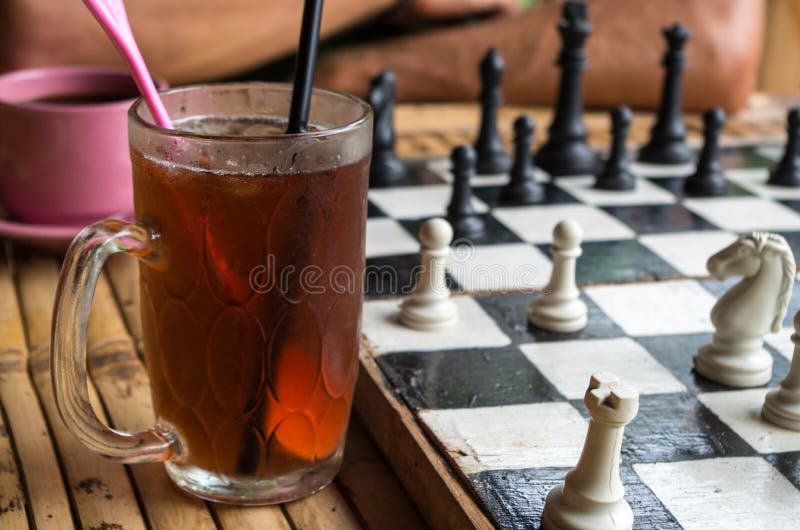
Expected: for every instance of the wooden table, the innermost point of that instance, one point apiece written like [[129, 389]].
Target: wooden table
[[393, 477]]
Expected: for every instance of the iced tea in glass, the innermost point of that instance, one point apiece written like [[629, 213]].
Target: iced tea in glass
[[252, 253]]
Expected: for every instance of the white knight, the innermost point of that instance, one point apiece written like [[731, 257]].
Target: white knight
[[749, 310]]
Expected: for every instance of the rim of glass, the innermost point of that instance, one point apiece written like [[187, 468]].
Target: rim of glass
[[366, 113]]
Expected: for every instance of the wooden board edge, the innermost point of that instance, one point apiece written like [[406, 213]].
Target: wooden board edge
[[435, 488]]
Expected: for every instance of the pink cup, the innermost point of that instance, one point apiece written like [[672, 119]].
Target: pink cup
[[65, 163]]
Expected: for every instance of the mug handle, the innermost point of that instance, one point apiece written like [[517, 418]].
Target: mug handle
[[79, 274]]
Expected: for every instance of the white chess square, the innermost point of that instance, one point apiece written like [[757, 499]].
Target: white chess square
[[724, 493], [514, 266], [741, 411], [475, 329], [743, 214], [535, 223], [386, 237], [510, 437], [414, 202], [755, 181], [782, 342], [688, 251], [772, 152], [568, 365], [645, 193], [662, 170], [656, 308]]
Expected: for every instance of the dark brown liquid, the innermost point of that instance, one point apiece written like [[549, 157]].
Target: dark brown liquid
[[84, 99], [257, 383]]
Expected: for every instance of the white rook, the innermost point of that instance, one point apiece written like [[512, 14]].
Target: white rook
[[592, 495], [429, 308]]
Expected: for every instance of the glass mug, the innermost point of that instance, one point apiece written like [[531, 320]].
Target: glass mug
[[251, 249]]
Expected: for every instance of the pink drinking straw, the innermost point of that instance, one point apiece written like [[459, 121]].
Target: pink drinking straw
[[112, 17]]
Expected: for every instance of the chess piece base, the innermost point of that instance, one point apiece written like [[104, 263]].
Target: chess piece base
[[667, 153], [622, 182], [786, 179], [742, 370], [706, 187], [584, 514], [558, 316], [573, 157], [471, 227], [781, 411], [528, 193], [434, 316], [495, 163], [386, 170]]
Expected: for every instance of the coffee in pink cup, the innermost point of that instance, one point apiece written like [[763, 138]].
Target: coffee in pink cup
[[64, 144]]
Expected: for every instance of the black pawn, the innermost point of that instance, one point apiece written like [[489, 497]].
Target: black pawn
[[667, 143], [522, 188], [616, 175], [787, 172], [460, 212], [492, 159], [708, 179], [566, 151], [386, 167]]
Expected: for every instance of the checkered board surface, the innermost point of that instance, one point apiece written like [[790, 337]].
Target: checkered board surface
[[650, 233], [503, 401]]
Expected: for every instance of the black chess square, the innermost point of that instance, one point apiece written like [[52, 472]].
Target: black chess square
[[495, 233], [394, 276], [676, 353], [466, 378], [674, 427], [617, 261], [511, 314], [675, 185], [531, 486], [660, 218], [552, 195]]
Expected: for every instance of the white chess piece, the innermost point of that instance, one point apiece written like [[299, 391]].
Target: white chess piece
[[782, 406], [592, 495], [753, 307], [429, 308], [560, 308]]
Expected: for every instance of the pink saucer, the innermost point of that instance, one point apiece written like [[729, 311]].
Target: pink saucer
[[54, 238]]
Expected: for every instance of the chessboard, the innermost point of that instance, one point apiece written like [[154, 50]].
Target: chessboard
[[500, 402]]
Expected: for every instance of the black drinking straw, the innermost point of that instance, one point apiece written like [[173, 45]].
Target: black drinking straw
[[250, 455], [304, 67]]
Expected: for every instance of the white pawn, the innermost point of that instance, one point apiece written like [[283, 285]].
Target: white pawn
[[429, 308], [560, 308], [782, 406], [592, 495]]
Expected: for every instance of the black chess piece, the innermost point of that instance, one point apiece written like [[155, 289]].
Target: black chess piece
[[616, 175], [492, 159], [460, 212], [522, 188], [708, 179], [566, 151], [787, 172], [667, 144], [385, 168]]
